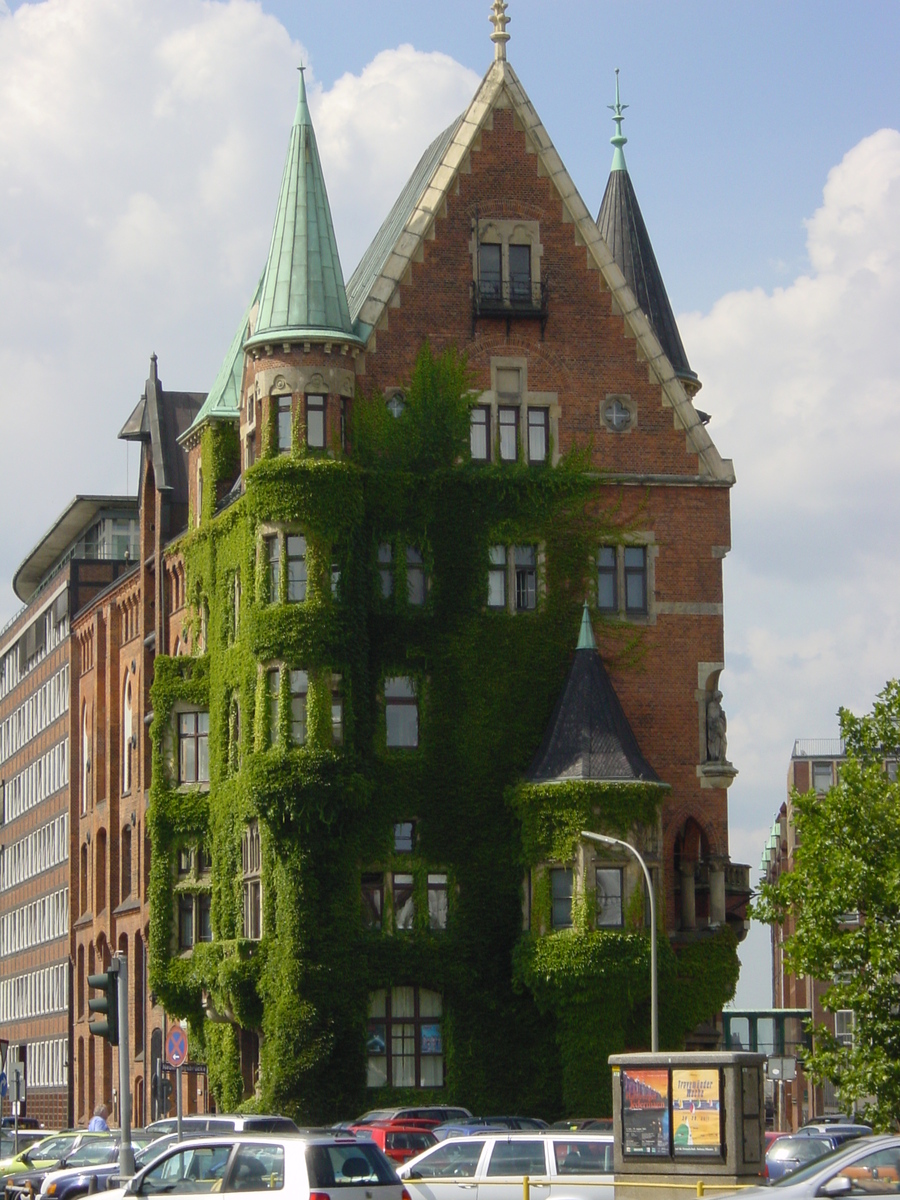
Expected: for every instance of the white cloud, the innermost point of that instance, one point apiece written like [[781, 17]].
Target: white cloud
[[141, 151], [804, 385]]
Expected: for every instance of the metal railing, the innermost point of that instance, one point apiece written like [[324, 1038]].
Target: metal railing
[[509, 299]]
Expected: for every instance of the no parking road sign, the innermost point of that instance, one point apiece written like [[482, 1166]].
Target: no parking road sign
[[176, 1046]]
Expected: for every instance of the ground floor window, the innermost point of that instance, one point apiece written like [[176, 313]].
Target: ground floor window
[[405, 1045]]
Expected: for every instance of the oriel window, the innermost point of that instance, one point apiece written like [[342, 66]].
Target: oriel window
[[273, 558], [561, 897]]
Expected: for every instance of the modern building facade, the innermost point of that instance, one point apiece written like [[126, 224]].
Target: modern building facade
[[87, 548], [814, 766]]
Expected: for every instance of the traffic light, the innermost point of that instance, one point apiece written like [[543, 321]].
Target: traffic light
[[108, 1004]]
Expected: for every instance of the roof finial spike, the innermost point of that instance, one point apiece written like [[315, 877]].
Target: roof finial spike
[[302, 117], [499, 37], [586, 633], [619, 139]]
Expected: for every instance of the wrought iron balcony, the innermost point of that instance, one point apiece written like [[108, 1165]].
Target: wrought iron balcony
[[510, 300]]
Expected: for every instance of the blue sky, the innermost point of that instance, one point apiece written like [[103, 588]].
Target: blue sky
[[141, 146]]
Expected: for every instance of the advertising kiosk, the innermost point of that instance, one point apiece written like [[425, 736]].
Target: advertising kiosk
[[687, 1118]]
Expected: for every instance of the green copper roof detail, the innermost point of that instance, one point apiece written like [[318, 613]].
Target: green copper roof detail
[[303, 291], [224, 399], [586, 633], [618, 139]]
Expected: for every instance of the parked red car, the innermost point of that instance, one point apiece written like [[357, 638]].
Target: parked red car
[[400, 1140]]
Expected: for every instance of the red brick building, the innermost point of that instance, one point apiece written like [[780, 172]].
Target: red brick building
[[571, 340]]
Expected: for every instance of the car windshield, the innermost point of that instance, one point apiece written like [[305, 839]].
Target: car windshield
[[807, 1172], [91, 1153], [50, 1148]]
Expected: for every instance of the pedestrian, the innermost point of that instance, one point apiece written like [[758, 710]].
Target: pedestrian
[[97, 1123]]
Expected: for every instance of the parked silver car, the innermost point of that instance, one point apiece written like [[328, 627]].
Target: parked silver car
[[868, 1166], [564, 1165]]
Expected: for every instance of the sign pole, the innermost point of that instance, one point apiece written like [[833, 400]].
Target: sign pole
[[178, 1099], [126, 1153]]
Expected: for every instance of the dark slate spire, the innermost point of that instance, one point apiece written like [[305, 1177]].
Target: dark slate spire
[[589, 737], [623, 229]]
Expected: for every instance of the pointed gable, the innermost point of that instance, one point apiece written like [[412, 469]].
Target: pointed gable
[[375, 284], [302, 293], [589, 737]]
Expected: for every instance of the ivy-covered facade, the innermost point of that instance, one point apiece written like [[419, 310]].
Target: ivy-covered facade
[[406, 498]]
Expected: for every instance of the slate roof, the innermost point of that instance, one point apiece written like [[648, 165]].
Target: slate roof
[[302, 292], [159, 420], [622, 226], [589, 737]]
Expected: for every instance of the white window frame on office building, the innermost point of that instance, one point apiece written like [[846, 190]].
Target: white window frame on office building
[[35, 993], [38, 851], [42, 920], [36, 782], [35, 714]]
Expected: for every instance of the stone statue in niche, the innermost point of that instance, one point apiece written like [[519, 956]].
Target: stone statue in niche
[[716, 725]]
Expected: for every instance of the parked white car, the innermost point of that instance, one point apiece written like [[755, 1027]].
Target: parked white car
[[257, 1164], [491, 1166]]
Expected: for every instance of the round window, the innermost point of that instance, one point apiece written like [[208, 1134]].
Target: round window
[[617, 414]]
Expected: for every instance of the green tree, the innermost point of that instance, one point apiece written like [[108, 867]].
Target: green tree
[[847, 861]]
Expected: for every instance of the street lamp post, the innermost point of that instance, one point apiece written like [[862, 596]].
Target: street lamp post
[[654, 998]]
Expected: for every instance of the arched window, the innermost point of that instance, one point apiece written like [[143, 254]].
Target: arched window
[[139, 999], [85, 758], [100, 872], [79, 982], [83, 881], [127, 737], [125, 856]]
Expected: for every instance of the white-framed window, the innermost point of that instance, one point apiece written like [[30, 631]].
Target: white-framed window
[[401, 712], [295, 550], [315, 422], [34, 993], [299, 689], [41, 920], [36, 852], [251, 868], [608, 882], [480, 433], [513, 578], [37, 782], [36, 713], [405, 1042], [438, 901], [193, 747], [844, 1023]]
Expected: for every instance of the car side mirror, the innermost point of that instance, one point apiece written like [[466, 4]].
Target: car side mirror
[[838, 1185]]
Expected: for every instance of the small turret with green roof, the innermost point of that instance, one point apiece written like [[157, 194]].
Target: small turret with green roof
[[302, 296]]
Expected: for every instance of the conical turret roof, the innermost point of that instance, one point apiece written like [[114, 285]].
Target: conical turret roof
[[302, 293], [589, 737], [622, 225]]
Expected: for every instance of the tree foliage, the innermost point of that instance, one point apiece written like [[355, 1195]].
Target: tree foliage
[[840, 906]]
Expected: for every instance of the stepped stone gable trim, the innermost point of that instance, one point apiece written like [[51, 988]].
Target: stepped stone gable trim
[[502, 88]]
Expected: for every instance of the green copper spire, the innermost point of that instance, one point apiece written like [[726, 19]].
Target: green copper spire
[[619, 139], [586, 634], [302, 292]]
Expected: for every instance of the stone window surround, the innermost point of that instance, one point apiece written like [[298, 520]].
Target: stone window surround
[[645, 538], [494, 230], [494, 399]]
